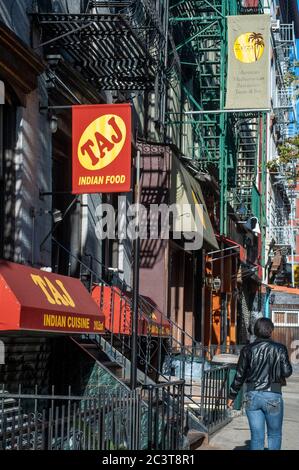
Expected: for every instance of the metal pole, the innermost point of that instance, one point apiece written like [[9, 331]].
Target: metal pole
[[263, 216], [227, 111], [224, 249], [33, 215], [203, 296], [293, 265], [223, 111], [223, 326], [292, 243], [211, 306], [136, 248], [223, 122], [55, 226]]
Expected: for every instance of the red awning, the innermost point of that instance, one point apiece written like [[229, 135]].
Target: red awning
[[228, 241], [36, 300], [116, 308]]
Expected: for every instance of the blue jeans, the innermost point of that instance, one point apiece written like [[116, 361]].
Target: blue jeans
[[264, 408]]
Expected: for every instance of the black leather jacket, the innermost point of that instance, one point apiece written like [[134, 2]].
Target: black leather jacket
[[263, 365]]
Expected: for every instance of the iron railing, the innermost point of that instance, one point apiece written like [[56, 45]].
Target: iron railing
[[287, 33], [166, 419], [284, 98], [160, 341], [162, 355], [146, 418], [283, 236], [215, 387]]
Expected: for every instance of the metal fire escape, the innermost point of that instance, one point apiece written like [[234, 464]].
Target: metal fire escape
[[198, 28], [284, 106], [115, 45], [281, 233], [245, 192], [229, 143]]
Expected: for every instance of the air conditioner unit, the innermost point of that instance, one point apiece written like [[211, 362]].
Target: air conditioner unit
[[275, 25]]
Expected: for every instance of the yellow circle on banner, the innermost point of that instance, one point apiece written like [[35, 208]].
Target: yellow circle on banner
[[101, 142], [249, 47]]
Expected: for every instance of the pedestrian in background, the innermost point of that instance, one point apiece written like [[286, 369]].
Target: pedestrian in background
[[263, 366]]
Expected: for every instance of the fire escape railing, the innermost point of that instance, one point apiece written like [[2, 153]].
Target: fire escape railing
[[247, 129], [284, 47], [117, 46]]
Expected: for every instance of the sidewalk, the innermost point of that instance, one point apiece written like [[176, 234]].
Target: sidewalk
[[236, 435]]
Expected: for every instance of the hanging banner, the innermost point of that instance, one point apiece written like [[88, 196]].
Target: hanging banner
[[248, 78], [101, 148]]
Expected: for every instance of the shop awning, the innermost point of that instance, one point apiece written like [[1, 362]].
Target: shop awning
[[187, 195], [241, 250], [116, 307], [36, 300]]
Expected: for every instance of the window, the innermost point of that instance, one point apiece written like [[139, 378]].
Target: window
[[286, 318], [279, 318]]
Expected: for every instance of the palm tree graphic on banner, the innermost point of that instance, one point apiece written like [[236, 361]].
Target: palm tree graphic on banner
[[258, 44]]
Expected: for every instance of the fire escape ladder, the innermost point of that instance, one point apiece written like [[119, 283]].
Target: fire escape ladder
[[197, 28], [209, 52], [247, 131]]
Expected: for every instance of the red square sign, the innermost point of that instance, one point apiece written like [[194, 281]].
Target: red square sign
[[101, 148]]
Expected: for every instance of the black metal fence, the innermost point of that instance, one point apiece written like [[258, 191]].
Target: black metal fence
[[166, 417], [146, 418], [215, 387]]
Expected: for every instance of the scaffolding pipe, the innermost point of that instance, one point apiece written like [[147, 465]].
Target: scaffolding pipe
[[225, 111]]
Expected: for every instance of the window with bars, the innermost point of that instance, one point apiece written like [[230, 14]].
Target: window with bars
[[285, 318]]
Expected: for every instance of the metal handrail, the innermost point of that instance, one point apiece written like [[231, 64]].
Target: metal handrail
[[168, 349], [195, 344], [144, 300]]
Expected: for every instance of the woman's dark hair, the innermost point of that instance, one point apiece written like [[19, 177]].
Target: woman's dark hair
[[263, 328]]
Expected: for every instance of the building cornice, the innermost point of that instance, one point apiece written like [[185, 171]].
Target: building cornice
[[19, 64]]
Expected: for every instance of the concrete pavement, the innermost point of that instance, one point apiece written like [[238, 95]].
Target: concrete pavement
[[236, 435]]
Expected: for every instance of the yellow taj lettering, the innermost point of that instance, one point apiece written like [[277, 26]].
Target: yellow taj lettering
[[101, 142], [51, 291]]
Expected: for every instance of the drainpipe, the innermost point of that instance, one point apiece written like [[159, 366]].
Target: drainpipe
[[136, 266], [267, 303], [33, 215], [223, 326], [164, 102], [203, 293], [211, 303], [75, 237]]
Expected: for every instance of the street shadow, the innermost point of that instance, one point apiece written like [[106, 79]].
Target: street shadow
[[246, 446]]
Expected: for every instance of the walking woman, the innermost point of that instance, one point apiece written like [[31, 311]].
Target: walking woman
[[263, 366]]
